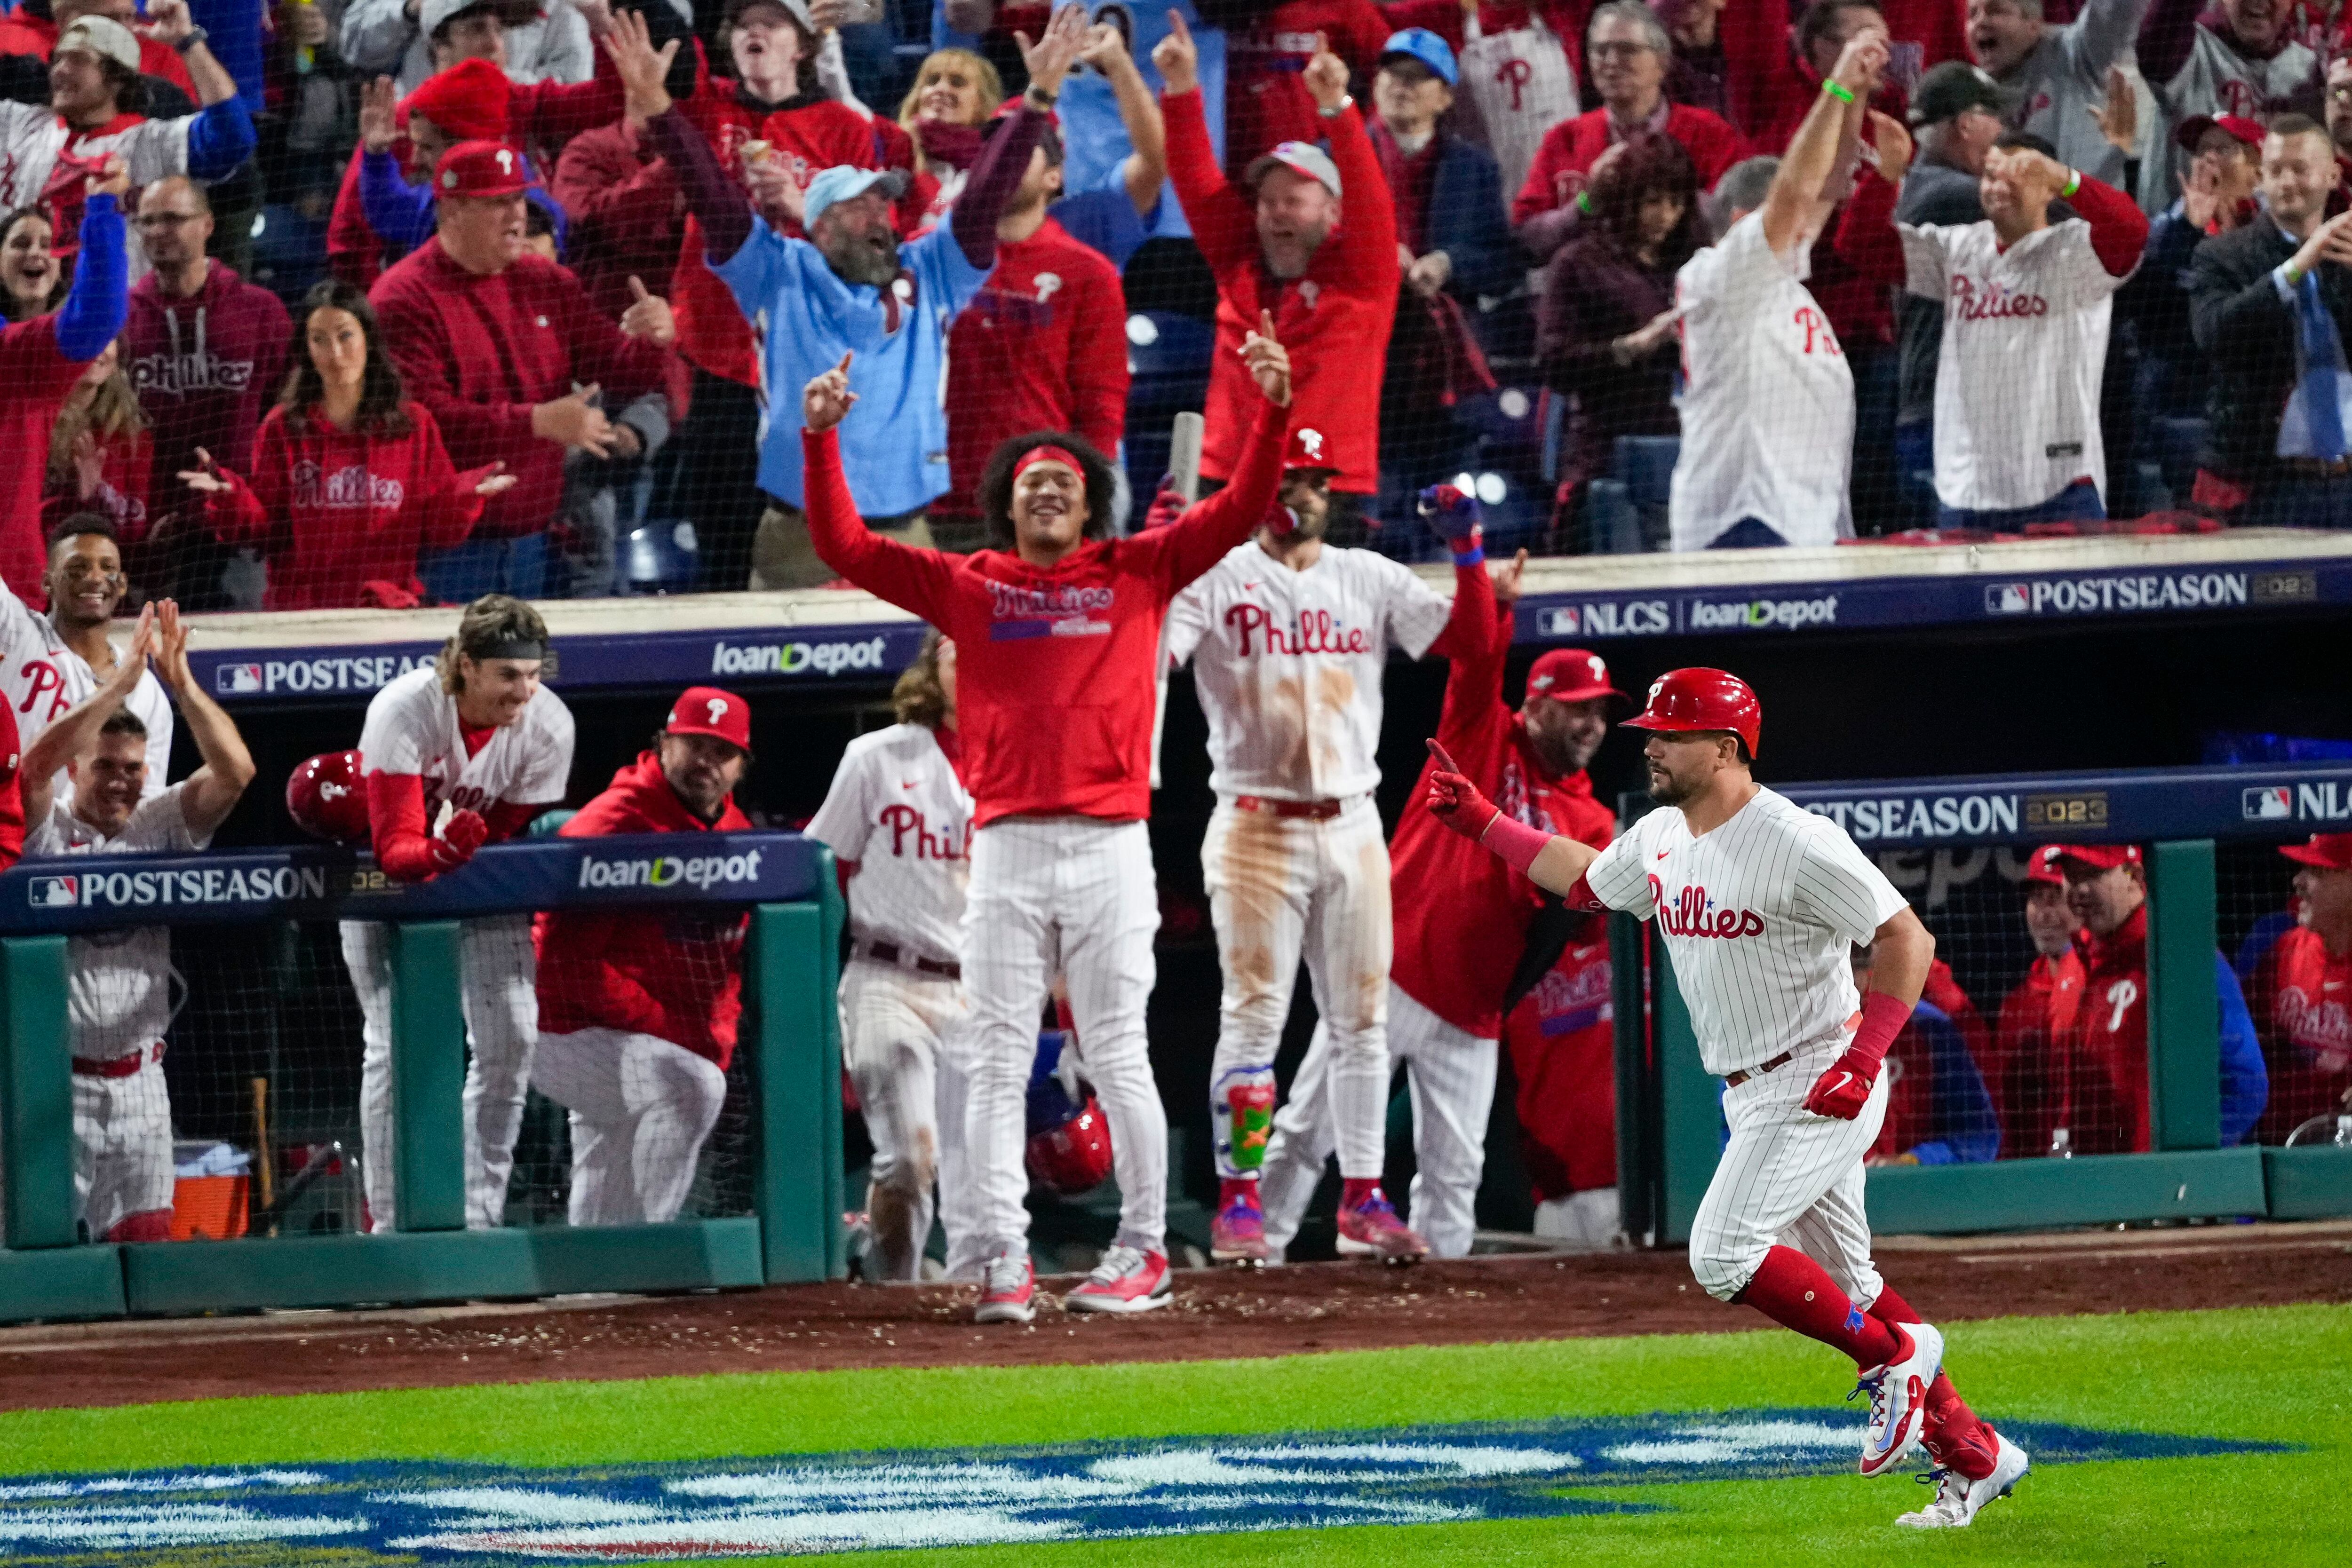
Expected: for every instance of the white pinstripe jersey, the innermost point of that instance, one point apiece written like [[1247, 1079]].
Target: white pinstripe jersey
[[897, 809], [40, 677], [1758, 916], [412, 728], [119, 990]]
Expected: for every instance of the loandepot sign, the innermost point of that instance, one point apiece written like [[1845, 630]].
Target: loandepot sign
[[427, 1512]]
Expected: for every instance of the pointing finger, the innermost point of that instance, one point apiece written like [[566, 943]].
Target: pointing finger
[[637, 289], [1444, 761]]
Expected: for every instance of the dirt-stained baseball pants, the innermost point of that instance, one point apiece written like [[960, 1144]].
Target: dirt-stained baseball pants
[[1450, 1074], [1277, 885], [1792, 1179], [1076, 895], [894, 1027], [123, 1147], [500, 977], [640, 1109]]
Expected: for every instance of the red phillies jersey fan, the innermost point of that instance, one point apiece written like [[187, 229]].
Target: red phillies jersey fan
[[326, 801]]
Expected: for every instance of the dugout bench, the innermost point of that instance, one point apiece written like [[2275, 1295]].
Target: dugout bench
[[789, 1031], [1669, 1118]]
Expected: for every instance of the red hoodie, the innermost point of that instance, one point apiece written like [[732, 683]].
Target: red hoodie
[[676, 972], [204, 367], [341, 514]]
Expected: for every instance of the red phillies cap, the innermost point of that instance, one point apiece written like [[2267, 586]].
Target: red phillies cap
[[479, 169], [2043, 865], [707, 710], [2329, 851], [2098, 857], [2193, 129], [1309, 450], [1570, 675]]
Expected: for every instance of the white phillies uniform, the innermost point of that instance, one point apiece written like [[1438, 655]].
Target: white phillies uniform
[[897, 809], [118, 1007], [1288, 666], [1758, 916], [34, 141], [412, 728], [1519, 85], [40, 677], [2025, 345], [1768, 414]]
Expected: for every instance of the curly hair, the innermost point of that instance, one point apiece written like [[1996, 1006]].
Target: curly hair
[[995, 491], [918, 698], [382, 397], [1648, 165]]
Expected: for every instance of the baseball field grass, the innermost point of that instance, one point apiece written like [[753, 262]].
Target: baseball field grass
[[2280, 1376]]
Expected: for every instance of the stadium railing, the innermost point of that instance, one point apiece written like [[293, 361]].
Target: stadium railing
[[1956, 847], [789, 1051]]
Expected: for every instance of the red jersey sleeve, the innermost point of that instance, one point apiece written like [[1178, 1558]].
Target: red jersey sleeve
[[2118, 228], [396, 823], [916, 580], [1473, 685], [1470, 625], [1221, 220], [1367, 238]]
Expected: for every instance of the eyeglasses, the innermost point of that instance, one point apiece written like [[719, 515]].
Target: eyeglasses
[[166, 220], [1617, 51], [2340, 94]]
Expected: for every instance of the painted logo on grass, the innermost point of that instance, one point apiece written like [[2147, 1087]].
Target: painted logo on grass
[[435, 1514]]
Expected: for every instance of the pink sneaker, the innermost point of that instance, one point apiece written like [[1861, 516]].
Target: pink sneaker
[[1127, 1280], [1008, 1291], [1237, 1232], [1370, 1229]]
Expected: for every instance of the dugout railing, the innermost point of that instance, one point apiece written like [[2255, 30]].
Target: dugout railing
[[2209, 837], [789, 1033]]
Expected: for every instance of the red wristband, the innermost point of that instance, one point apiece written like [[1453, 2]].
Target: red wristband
[[1883, 1017], [1514, 843]]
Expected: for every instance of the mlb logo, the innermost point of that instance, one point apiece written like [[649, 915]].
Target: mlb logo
[[2008, 599], [54, 891], [236, 680], [1559, 622], [2269, 804]]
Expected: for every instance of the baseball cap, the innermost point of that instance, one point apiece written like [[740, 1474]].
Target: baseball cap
[[1570, 675], [1421, 43], [2098, 857], [842, 182], [433, 15], [2329, 851], [1308, 451], [1303, 159], [1954, 88], [2043, 865], [101, 36], [2193, 129], [480, 168], [707, 710]]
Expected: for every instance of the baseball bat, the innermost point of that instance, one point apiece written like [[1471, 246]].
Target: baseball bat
[[1184, 455], [321, 1159], [265, 1175]]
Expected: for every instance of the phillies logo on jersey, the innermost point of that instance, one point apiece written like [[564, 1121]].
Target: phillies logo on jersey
[[1691, 912], [2322, 1028], [1820, 337], [351, 487], [1994, 303], [1516, 74], [2120, 998], [463, 797], [1318, 631], [43, 678], [907, 821]]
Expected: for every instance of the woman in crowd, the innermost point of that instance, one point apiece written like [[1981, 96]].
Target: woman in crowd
[[1605, 333], [947, 112], [30, 278], [349, 478], [100, 454]]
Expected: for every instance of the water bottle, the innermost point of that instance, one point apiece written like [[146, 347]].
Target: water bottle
[[2061, 1143], [2344, 1132]]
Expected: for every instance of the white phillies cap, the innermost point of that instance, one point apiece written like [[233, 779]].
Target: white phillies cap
[[103, 37], [1303, 159]]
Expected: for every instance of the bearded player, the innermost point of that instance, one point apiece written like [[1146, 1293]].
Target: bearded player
[[1057, 633], [461, 754], [1287, 637], [1759, 901]]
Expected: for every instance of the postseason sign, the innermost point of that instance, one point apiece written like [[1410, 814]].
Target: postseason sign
[[2264, 804]]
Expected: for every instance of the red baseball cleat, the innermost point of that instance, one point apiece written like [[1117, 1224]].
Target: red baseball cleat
[[1127, 1280], [1372, 1229], [1237, 1230]]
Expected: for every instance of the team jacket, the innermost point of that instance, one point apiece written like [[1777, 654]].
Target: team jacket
[[1562, 1041], [1937, 1110], [1267, 101], [1056, 667], [1565, 160], [2027, 1074], [675, 974], [205, 368], [341, 514], [2302, 1005], [2106, 1101], [1336, 319]]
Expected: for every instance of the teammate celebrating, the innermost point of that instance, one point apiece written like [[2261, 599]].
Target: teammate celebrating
[[50, 662], [1061, 627], [1288, 635], [456, 756], [119, 998], [899, 820], [1759, 901]]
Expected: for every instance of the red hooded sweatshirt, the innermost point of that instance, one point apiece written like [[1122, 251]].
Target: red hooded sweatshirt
[[206, 367], [674, 972]]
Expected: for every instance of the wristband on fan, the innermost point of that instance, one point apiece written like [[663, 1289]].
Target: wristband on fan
[[1584, 203], [1514, 843], [1883, 1017], [2073, 183], [1838, 91]]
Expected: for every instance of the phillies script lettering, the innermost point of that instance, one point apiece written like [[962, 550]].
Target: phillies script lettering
[[1008, 600], [1690, 913], [1317, 632], [1818, 337], [905, 821], [1993, 302]]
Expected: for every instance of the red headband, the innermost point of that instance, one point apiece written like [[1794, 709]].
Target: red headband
[[1037, 455]]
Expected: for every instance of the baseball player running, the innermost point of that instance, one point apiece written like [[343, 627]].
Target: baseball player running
[[461, 755], [1759, 903], [50, 662], [1287, 636], [119, 992], [898, 820], [1061, 629], [637, 1008]]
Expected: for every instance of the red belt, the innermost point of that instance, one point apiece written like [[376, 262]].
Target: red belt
[[1734, 1080], [120, 1066], [891, 953], [1317, 810]]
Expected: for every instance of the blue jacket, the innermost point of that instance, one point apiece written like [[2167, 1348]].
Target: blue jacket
[[1469, 220], [2246, 1081], [1963, 1127]]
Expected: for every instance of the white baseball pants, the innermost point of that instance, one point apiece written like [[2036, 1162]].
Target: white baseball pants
[[1078, 896], [1450, 1074], [894, 1027], [1278, 885], [123, 1146], [499, 980], [1789, 1177], [640, 1107]]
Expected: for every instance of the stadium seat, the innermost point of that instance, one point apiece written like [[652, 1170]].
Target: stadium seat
[[660, 557], [2178, 442], [1644, 464]]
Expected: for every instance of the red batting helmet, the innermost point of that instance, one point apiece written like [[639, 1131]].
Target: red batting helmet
[[1682, 701], [1074, 1157], [326, 799]]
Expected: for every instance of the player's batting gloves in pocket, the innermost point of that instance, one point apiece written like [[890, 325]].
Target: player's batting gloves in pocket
[[1842, 1091], [464, 834]]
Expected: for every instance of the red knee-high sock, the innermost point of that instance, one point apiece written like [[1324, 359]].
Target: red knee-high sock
[[1953, 1435], [1796, 1292], [1355, 1191]]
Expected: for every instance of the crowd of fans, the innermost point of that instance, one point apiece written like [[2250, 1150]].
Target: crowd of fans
[[428, 298]]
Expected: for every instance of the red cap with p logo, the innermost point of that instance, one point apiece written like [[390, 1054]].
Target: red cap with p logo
[[707, 710]]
